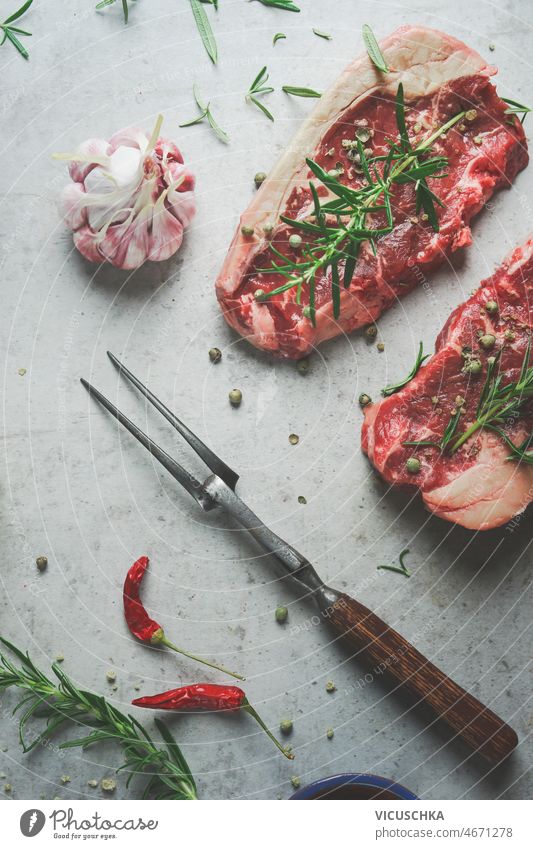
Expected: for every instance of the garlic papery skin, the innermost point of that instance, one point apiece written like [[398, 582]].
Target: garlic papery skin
[[129, 199]]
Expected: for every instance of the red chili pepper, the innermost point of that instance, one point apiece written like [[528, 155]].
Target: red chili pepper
[[196, 697], [145, 628], [208, 697]]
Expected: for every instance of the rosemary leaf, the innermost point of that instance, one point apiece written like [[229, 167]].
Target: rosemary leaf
[[19, 12], [402, 568], [125, 10], [261, 106], [194, 121], [372, 48], [204, 28], [516, 109], [10, 33], [322, 34], [287, 5], [395, 387], [278, 36], [300, 92]]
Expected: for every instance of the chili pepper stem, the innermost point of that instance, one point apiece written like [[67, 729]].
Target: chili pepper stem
[[249, 709], [169, 645]]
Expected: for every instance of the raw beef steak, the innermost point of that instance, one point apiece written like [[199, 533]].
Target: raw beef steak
[[478, 485], [441, 77]]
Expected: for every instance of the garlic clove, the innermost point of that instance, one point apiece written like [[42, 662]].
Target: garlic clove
[[85, 240], [73, 205], [129, 137], [167, 234], [86, 154], [127, 245]]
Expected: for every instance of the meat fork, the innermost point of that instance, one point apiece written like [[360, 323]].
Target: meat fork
[[359, 627]]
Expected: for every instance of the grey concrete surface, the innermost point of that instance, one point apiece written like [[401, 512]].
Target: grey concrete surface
[[90, 499]]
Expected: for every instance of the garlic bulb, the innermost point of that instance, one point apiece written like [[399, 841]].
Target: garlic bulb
[[130, 198]]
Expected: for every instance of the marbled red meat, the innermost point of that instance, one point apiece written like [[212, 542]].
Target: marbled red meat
[[477, 486], [441, 77]]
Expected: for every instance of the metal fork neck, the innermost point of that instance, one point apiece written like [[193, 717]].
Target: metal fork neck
[[289, 560]]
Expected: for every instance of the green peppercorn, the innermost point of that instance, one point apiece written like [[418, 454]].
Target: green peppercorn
[[247, 231], [487, 341], [295, 781], [294, 438], [303, 366], [364, 399], [363, 134], [371, 332], [510, 335], [302, 499], [215, 355], [235, 397], [472, 367], [330, 733], [259, 178], [41, 562], [330, 687], [413, 465], [260, 295], [306, 312], [295, 241], [381, 347], [491, 307], [281, 615], [268, 228], [285, 726]]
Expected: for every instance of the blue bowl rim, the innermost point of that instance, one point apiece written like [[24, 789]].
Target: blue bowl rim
[[365, 778]]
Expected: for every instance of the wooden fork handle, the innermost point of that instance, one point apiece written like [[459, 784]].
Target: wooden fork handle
[[478, 726]]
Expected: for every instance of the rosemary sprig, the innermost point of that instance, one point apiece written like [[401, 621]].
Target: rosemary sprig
[[287, 5], [205, 112], [373, 50], [103, 3], [402, 568], [395, 387], [340, 240], [10, 33], [278, 36], [259, 88], [298, 91], [516, 109], [322, 34], [62, 702], [204, 28], [498, 403]]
